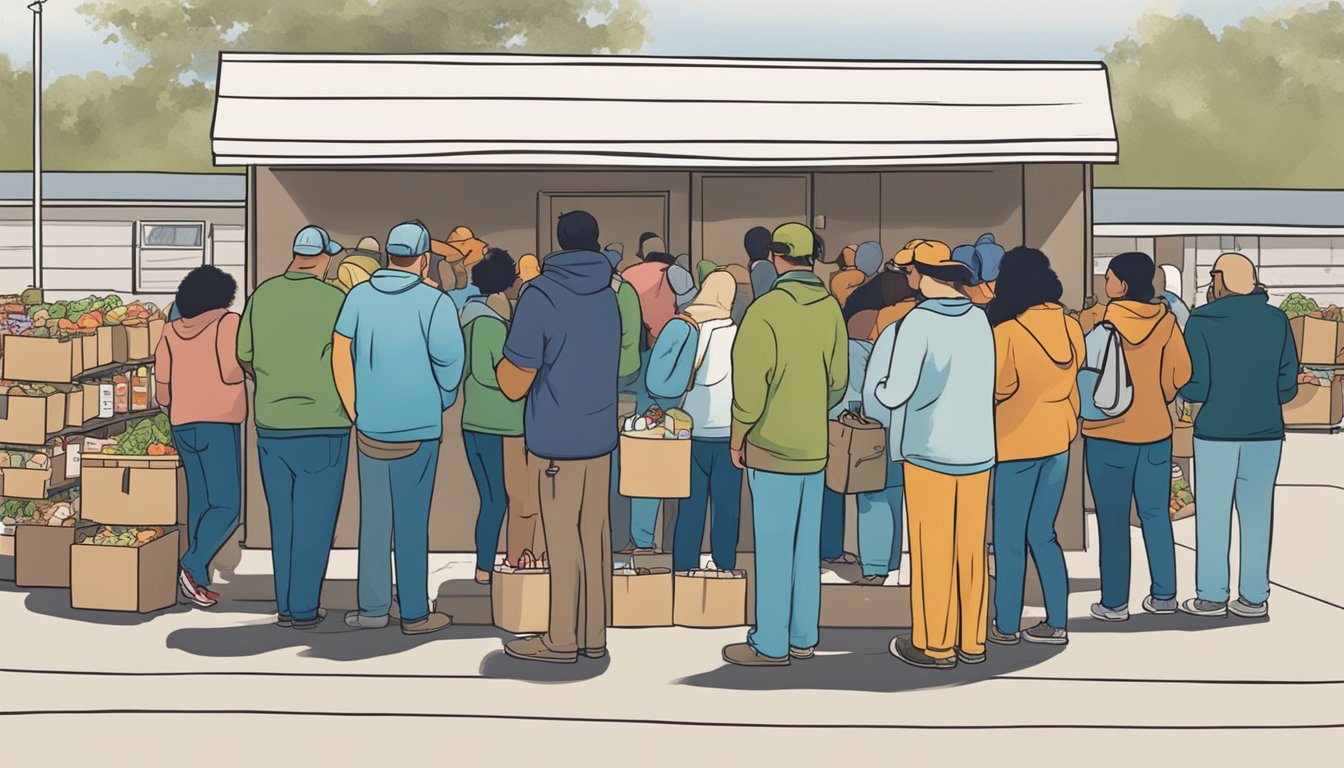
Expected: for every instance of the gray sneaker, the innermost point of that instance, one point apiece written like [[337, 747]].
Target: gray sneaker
[[1198, 607], [1044, 634], [1160, 607], [358, 621], [999, 638], [1102, 613], [1249, 610]]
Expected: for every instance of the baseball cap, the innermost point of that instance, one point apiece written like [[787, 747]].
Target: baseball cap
[[1238, 273], [983, 258], [928, 253], [793, 240], [368, 246], [408, 239], [314, 241]]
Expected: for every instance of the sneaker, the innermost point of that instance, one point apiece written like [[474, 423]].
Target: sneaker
[[966, 657], [1044, 634], [845, 558], [310, 623], [872, 581], [482, 577], [1249, 610], [431, 623], [1198, 607], [288, 621], [802, 654], [904, 649], [999, 638], [594, 653], [743, 655], [1102, 613], [357, 620], [1160, 607], [197, 596], [535, 649]]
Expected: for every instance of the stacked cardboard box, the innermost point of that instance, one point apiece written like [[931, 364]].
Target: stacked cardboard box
[[142, 493]]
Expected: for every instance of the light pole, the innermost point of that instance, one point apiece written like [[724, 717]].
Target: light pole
[[36, 8]]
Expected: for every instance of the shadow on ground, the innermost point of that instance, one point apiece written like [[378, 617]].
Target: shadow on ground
[[1147, 622], [858, 660], [499, 666], [55, 602]]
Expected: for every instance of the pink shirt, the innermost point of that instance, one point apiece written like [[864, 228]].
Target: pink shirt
[[657, 302], [197, 372]]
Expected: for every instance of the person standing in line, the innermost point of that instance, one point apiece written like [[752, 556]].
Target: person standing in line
[[1039, 351], [982, 258], [359, 263], [1129, 456], [790, 366], [201, 384], [492, 427], [1245, 365], [303, 432], [847, 277], [397, 357], [563, 352], [696, 348], [630, 384], [939, 386], [759, 264]]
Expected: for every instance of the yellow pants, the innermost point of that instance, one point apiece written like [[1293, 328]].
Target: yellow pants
[[949, 586]]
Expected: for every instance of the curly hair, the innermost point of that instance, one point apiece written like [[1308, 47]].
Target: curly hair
[[204, 289], [494, 273]]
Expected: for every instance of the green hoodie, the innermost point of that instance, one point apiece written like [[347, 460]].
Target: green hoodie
[[790, 367], [485, 409], [632, 325]]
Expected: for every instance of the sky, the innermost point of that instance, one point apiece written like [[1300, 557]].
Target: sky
[[890, 29]]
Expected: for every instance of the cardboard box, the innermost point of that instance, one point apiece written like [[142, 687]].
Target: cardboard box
[[1319, 342], [1316, 406], [134, 579], [42, 555], [709, 599], [74, 406], [520, 600], [654, 468], [133, 343], [641, 598], [1183, 441], [860, 605], [27, 358], [24, 483], [103, 354], [89, 399], [30, 420], [133, 490], [6, 544]]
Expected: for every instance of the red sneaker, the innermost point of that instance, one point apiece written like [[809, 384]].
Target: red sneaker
[[194, 594]]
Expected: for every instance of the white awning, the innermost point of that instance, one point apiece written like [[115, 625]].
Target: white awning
[[508, 109]]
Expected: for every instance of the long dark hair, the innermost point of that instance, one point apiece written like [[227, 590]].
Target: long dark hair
[[883, 290], [1136, 270], [1025, 280]]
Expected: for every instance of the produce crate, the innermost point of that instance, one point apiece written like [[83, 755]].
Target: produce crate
[[29, 358], [1319, 342], [42, 555], [132, 343], [1316, 406], [29, 420], [32, 483], [135, 579], [6, 543], [133, 490]]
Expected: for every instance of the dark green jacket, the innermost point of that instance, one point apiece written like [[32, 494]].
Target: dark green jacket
[[1245, 367]]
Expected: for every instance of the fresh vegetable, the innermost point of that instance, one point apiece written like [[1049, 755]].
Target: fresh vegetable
[[117, 536], [146, 437], [1298, 305], [59, 511]]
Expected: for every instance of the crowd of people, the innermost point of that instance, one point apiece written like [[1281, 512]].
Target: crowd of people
[[966, 356]]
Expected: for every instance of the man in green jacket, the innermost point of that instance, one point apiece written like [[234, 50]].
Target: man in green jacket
[[790, 367], [492, 426], [303, 433], [1244, 369]]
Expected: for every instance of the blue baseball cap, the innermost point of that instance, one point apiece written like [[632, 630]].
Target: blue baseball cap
[[314, 241], [408, 239]]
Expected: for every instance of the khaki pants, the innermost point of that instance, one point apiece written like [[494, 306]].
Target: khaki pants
[[578, 537], [524, 529], [949, 586]]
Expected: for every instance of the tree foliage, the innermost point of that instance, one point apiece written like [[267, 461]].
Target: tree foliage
[[159, 119], [1260, 105]]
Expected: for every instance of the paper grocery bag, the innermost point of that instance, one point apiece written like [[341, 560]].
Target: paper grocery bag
[[641, 597], [655, 467], [520, 599], [709, 599], [856, 461]]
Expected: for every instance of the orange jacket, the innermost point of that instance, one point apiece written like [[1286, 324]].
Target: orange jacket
[[1036, 383], [892, 314], [1159, 365], [844, 282]]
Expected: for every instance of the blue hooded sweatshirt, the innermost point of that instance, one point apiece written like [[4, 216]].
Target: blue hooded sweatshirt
[[939, 385], [567, 328], [408, 353]]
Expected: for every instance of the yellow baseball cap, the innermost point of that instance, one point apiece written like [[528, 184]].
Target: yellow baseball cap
[[928, 253]]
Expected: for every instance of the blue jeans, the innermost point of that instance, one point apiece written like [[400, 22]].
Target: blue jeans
[[787, 524], [832, 524], [879, 524], [1119, 472], [1244, 472], [212, 456], [1027, 496], [717, 483], [303, 476], [394, 500], [485, 455]]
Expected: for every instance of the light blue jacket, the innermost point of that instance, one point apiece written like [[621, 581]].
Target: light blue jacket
[[940, 376], [408, 353], [858, 362]]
